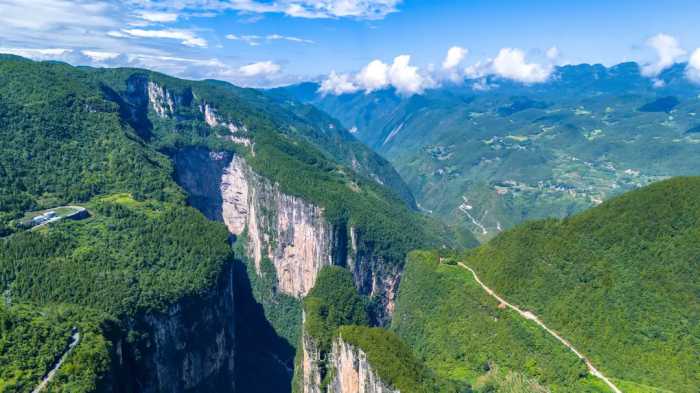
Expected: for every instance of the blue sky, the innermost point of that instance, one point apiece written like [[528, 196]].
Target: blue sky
[[263, 43]]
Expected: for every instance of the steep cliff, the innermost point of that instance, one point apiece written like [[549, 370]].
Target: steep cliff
[[292, 233], [188, 348], [352, 372], [310, 367]]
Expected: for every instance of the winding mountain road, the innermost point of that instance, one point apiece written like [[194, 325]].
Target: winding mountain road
[[532, 317], [74, 339]]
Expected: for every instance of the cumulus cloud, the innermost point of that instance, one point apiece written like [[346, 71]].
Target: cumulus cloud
[[401, 75], [510, 64], [405, 78], [455, 56], [338, 84], [374, 76], [692, 70], [186, 37], [259, 68], [668, 52], [450, 65]]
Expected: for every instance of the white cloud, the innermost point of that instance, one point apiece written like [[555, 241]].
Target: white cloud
[[53, 14], [186, 37], [510, 64], [401, 75], [99, 56], [692, 70], [374, 76], [482, 85], [455, 56], [668, 52], [479, 69], [158, 17], [338, 84], [259, 69], [405, 78], [252, 40], [38, 53], [553, 54], [274, 37], [255, 40], [313, 9]]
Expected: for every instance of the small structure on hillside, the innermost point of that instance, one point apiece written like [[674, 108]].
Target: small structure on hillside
[[48, 216]]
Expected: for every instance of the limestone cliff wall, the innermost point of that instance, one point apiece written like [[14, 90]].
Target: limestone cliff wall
[[347, 366], [291, 232], [188, 348]]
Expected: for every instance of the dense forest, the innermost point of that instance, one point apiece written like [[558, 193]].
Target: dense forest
[[462, 334], [98, 138], [620, 280]]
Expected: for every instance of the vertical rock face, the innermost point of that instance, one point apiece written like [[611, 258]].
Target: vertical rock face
[[352, 373], [188, 348], [212, 119], [200, 172], [310, 365], [161, 100], [372, 275], [292, 233], [289, 231]]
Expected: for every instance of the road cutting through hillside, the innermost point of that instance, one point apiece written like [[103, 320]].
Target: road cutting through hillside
[[532, 317], [74, 340]]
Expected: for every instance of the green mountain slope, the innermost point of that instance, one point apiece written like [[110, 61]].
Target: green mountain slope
[[463, 336], [493, 158], [619, 281], [104, 139]]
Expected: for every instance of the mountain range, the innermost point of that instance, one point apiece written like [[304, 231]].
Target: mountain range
[[242, 240], [490, 153]]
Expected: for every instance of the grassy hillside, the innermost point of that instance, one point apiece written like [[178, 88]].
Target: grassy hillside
[[621, 281]]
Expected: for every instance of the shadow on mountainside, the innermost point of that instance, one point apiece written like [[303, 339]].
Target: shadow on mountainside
[[264, 360]]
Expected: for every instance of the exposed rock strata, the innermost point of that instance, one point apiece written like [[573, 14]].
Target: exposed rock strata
[[187, 348], [352, 372], [290, 232], [293, 234]]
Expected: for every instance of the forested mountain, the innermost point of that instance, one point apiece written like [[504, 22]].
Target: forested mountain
[[491, 153], [148, 284], [619, 281], [238, 240]]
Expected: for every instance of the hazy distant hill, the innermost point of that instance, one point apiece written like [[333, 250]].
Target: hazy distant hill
[[492, 158]]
